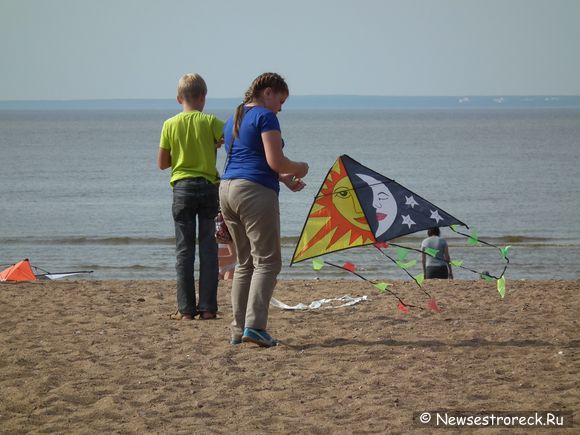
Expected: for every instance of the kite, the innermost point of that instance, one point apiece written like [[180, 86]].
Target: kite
[[356, 207], [24, 271]]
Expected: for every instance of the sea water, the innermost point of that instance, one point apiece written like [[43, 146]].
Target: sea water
[[80, 190]]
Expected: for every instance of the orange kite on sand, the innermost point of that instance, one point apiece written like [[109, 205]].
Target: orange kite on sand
[[22, 271]]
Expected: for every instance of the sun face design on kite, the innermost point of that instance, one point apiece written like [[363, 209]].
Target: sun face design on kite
[[347, 204], [336, 220], [383, 202]]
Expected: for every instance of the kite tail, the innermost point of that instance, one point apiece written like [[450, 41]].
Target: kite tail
[[483, 242], [460, 266], [373, 283], [406, 271]]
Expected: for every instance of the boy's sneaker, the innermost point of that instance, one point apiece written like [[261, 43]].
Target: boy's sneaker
[[259, 337]]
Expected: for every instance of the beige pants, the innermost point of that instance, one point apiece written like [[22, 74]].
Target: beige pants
[[252, 214]]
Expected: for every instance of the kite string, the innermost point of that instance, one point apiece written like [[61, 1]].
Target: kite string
[[449, 263], [406, 271], [371, 282]]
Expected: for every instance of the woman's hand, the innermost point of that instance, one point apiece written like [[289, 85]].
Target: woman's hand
[[291, 182]]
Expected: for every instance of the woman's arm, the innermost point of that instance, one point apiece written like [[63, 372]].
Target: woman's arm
[[277, 160]]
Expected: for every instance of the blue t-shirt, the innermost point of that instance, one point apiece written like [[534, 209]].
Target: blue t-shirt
[[247, 159]]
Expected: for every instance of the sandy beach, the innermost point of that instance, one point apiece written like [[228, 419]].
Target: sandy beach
[[103, 357]]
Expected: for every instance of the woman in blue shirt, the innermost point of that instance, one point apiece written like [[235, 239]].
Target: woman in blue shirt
[[249, 189]]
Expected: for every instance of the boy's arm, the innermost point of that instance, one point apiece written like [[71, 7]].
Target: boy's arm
[[164, 155], [164, 159], [218, 132]]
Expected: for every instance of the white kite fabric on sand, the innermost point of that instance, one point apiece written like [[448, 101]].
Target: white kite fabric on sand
[[344, 301], [54, 276]]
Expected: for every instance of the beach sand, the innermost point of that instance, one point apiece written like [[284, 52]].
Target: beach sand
[[103, 356]]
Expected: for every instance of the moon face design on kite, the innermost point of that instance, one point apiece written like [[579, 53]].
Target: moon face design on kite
[[383, 202]]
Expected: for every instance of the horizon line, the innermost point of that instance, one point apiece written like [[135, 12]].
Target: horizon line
[[304, 96]]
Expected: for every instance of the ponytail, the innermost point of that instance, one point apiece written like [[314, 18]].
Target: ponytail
[[238, 115], [263, 81]]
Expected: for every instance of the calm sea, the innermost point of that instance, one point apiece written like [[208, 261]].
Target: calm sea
[[80, 189]]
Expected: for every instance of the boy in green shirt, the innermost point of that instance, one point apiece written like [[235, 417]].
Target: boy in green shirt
[[188, 145]]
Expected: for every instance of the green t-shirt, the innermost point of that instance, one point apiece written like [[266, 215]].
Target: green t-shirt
[[190, 137]]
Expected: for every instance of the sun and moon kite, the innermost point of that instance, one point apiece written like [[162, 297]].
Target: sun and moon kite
[[357, 207]]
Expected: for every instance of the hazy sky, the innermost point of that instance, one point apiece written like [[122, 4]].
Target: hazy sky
[[85, 49]]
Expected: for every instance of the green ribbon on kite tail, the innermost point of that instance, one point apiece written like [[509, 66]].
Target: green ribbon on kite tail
[[501, 286], [317, 264]]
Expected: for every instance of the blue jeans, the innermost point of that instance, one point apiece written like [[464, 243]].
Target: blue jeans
[[195, 199]]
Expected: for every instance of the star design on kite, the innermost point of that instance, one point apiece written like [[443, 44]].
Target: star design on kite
[[435, 215], [407, 220], [410, 200]]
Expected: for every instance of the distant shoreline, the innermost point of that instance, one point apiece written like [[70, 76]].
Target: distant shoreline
[[324, 102]]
